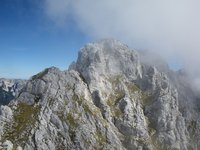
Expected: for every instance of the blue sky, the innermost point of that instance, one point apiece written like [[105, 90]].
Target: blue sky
[[30, 42], [35, 34]]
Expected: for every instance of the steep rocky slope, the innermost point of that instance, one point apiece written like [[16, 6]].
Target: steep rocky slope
[[108, 99]]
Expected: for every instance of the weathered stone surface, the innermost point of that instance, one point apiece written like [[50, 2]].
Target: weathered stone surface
[[108, 99]]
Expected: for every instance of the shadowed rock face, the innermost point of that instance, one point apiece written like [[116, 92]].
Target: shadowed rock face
[[108, 99]]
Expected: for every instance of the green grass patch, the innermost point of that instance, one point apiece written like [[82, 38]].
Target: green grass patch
[[112, 103], [132, 87], [72, 121], [146, 99], [24, 119], [101, 139], [192, 127], [40, 75]]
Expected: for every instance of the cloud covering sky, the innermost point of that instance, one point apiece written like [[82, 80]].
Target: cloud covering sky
[[40, 33], [168, 27]]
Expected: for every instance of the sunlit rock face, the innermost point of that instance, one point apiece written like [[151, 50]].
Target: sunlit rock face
[[108, 99]]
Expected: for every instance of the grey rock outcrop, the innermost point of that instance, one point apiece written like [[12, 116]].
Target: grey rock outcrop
[[108, 99]]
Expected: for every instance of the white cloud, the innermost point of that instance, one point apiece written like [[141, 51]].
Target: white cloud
[[57, 10], [169, 27]]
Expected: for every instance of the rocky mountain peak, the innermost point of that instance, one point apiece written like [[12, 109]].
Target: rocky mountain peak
[[108, 57], [108, 99]]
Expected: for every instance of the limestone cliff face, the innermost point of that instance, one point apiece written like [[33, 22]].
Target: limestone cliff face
[[108, 99]]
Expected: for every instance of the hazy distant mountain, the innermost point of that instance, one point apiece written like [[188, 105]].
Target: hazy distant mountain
[[108, 99], [9, 89]]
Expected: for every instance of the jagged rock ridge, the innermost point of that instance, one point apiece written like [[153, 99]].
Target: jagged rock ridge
[[108, 99]]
